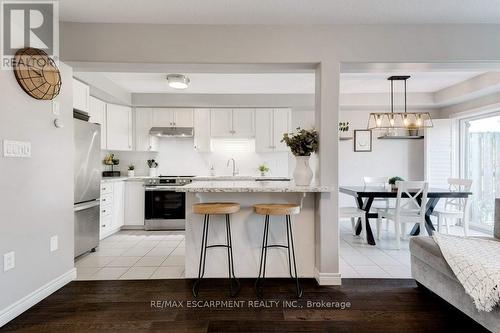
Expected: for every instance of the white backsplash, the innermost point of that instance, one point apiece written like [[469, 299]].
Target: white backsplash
[[177, 156]]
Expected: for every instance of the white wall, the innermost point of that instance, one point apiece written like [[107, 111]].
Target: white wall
[[36, 194]]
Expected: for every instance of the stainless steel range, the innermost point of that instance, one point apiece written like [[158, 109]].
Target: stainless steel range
[[165, 209]]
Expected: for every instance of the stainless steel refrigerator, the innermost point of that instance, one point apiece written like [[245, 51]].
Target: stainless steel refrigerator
[[87, 185]]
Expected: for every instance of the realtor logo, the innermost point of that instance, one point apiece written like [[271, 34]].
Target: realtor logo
[[28, 24]]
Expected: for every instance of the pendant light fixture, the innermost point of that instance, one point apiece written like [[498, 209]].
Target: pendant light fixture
[[396, 120], [178, 81]]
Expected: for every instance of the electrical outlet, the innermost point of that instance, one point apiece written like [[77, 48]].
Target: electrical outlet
[[9, 261], [54, 243]]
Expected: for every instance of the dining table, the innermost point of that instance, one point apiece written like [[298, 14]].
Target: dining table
[[365, 196]]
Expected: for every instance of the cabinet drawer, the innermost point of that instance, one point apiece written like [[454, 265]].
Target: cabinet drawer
[[106, 222], [106, 188], [106, 210], [106, 199]]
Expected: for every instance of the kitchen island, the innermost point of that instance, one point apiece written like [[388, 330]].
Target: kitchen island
[[247, 228]]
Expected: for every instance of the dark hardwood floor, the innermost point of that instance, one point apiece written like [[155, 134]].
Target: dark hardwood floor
[[376, 305]]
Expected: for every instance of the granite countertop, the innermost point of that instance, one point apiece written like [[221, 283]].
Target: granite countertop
[[250, 186]]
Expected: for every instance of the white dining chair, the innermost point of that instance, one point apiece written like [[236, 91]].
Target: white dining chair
[[379, 203], [455, 208], [354, 214], [408, 209]]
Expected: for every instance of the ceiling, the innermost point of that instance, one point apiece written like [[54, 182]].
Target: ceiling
[[216, 83], [281, 11], [419, 82], [285, 83]]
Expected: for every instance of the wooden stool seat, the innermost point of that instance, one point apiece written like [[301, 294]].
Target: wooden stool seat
[[277, 209], [216, 208]]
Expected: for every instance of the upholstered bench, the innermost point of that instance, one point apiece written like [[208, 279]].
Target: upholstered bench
[[430, 269]]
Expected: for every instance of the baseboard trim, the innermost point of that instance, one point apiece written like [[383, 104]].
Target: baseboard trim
[[14, 310], [327, 279]]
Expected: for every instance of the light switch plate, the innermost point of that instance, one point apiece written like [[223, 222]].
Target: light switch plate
[[54, 245], [9, 261], [13, 148]]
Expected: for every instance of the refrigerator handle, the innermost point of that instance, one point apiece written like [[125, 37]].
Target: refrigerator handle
[[86, 205]]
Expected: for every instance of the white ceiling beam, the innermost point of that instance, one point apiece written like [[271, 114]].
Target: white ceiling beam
[[382, 101], [478, 86]]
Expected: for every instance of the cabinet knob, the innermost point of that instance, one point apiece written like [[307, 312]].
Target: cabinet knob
[[104, 211], [103, 199], [103, 225]]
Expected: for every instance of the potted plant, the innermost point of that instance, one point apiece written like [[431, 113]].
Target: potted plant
[[264, 169], [131, 170], [153, 167], [302, 143], [392, 182]]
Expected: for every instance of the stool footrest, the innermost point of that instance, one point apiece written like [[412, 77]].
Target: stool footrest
[[217, 245], [276, 245]]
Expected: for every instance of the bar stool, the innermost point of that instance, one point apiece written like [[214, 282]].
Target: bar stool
[[277, 210], [216, 208]]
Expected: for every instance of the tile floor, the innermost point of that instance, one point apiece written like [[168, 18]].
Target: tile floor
[[138, 254], [384, 260], [135, 254]]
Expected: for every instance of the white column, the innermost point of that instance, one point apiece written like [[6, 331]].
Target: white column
[[327, 270]]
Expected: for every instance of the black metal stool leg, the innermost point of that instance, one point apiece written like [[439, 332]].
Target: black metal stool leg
[[263, 256], [203, 255], [234, 284], [290, 243]]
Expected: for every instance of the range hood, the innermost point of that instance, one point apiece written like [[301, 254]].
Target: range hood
[[172, 132]]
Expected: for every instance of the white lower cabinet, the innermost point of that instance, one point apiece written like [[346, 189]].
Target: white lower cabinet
[[112, 207], [134, 203]]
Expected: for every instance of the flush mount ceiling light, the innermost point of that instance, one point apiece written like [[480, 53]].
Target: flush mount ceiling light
[[178, 81], [394, 120]]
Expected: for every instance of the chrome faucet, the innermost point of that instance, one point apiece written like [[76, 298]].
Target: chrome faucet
[[235, 171]]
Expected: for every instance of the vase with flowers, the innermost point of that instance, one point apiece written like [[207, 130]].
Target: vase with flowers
[[302, 143]]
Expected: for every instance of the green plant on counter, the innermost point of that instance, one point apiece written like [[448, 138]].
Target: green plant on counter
[[393, 180], [303, 142], [263, 168], [131, 167], [111, 160]]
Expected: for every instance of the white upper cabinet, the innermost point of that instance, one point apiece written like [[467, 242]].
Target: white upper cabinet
[[202, 130], [264, 130], [163, 117], [232, 123], [221, 122], [143, 123], [81, 96], [270, 126], [178, 117], [97, 113], [282, 123], [183, 118], [119, 127], [244, 123]]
